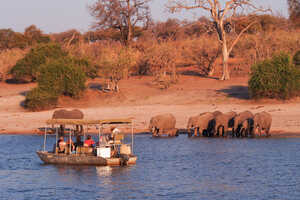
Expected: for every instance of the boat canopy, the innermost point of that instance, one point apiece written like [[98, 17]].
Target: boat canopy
[[88, 122]]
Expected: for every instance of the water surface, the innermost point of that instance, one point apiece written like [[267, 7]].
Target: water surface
[[177, 168]]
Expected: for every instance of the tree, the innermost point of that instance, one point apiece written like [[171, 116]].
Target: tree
[[294, 11], [35, 35], [115, 63], [221, 16], [123, 15]]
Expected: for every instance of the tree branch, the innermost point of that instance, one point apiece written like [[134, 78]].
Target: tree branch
[[239, 36]]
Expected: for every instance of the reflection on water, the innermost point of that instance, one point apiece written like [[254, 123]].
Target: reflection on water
[[177, 168], [104, 171]]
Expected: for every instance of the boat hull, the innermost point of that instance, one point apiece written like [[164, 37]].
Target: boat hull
[[81, 159]]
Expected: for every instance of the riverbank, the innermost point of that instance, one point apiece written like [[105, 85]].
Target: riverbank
[[140, 100]]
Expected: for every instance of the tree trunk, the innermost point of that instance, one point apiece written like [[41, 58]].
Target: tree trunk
[[129, 34], [225, 75]]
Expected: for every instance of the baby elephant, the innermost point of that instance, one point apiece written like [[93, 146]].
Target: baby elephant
[[262, 121], [163, 124]]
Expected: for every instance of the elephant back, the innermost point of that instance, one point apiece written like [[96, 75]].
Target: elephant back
[[242, 117], [68, 114], [163, 121]]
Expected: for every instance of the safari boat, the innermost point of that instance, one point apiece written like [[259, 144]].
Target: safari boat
[[100, 155]]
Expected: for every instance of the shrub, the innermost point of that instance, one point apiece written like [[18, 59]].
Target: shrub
[[296, 59], [28, 68], [57, 77], [38, 99], [62, 77], [274, 78]]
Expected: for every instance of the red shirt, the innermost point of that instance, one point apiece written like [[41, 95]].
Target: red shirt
[[89, 142]]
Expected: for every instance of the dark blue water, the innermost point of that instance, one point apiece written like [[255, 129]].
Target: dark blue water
[[178, 168]]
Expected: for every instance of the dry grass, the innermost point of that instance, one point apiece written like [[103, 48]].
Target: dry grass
[[199, 53]]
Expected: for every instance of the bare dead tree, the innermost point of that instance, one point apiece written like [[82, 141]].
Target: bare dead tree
[[220, 13], [123, 15]]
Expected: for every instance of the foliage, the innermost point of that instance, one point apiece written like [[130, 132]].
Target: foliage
[[296, 59], [10, 39], [123, 16], [38, 99], [8, 58], [162, 59], [28, 68], [294, 11], [117, 63], [32, 35], [35, 35], [274, 78], [62, 77], [57, 77]]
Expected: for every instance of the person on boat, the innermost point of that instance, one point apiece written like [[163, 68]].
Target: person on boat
[[61, 145], [89, 142], [78, 142], [71, 143], [111, 137]]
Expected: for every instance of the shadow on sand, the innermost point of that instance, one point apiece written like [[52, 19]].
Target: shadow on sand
[[195, 73], [236, 91]]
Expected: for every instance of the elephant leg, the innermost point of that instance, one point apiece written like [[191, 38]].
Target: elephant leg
[[225, 131], [190, 133], [238, 133], [232, 132], [259, 129], [268, 131]]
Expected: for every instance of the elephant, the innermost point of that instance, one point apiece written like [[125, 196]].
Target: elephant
[[224, 121], [246, 128], [68, 114], [239, 122], [200, 123], [162, 124], [262, 121]]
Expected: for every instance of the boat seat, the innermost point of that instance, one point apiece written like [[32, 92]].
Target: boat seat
[[84, 150]]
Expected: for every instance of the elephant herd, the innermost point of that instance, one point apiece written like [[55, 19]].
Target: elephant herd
[[211, 124]]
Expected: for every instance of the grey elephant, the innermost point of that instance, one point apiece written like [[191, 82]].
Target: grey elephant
[[262, 121], [163, 124], [224, 121], [68, 114], [200, 124], [239, 122]]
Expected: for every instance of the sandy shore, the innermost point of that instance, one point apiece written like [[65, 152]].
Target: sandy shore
[[15, 120]]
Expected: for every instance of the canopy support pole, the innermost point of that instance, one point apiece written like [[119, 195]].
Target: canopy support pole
[[45, 138], [132, 137]]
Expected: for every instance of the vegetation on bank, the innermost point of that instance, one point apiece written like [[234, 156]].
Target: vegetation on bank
[[61, 63], [277, 78], [56, 77]]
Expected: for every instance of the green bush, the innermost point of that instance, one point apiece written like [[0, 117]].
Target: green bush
[[62, 77], [296, 59], [89, 69], [57, 77], [27, 69], [274, 78], [38, 99]]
